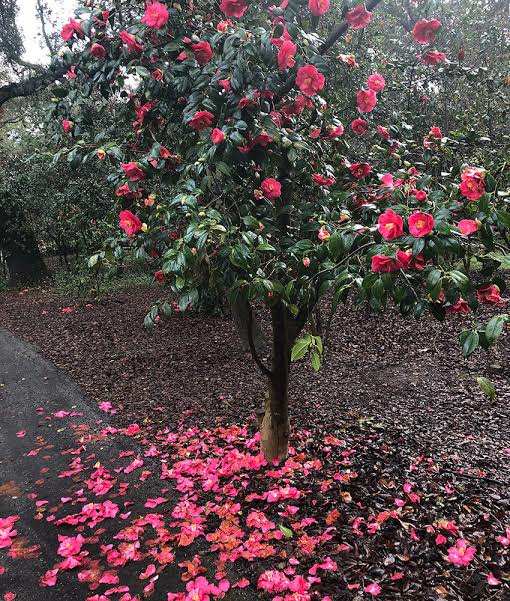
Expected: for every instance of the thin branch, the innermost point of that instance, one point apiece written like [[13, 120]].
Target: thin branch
[[40, 13], [253, 350]]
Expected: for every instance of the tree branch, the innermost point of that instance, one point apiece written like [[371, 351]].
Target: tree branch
[[31, 85]]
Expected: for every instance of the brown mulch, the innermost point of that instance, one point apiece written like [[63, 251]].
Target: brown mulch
[[406, 375]]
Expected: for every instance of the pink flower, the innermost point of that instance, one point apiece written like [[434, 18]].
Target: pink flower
[[273, 581], [504, 540], [433, 57], [67, 125], [424, 32], [358, 17], [202, 52], [420, 195], [271, 188], [366, 100], [156, 15], [390, 225], [217, 136], [309, 80], [490, 293], [49, 578], [318, 7], [373, 589], [98, 51], [286, 55], [129, 222], [130, 41], [323, 234], [461, 554], [133, 171], [360, 170], [323, 180], [71, 28], [472, 184], [376, 82], [420, 224], [306, 261], [383, 132], [233, 8], [70, 545], [359, 126], [467, 226], [492, 580], [384, 264]]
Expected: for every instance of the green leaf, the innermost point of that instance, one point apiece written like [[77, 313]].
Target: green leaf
[[494, 327], [287, 532], [316, 360], [266, 246], [459, 279], [487, 387], [470, 343], [300, 348]]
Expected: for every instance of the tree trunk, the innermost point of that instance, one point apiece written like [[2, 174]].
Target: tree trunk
[[275, 427], [240, 309]]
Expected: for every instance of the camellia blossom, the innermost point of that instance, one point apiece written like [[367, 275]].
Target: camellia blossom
[[309, 80], [461, 554], [323, 180], [286, 55], [373, 589], [472, 184], [366, 100], [467, 226], [71, 28], [273, 581], [360, 170], [435, 132], [98, 51], [420, 224], [156, 15], [323, 234], [424, 32], [130, 41], [67, 125], [201, 120], [433, 57], [202, 52], [233, 8], [271, 188], [129, 223], [217, 136], [376, 82], [383, 264], [133, 171], [358, 17], [359, 126], [390, 225], [318, 7], [491, 294]]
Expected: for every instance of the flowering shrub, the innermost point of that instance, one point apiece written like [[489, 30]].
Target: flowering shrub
[[235, 111]]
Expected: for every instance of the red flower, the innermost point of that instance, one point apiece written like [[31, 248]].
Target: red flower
[[233, 8], [472, 184], [420, 224], [383, 132], [309, 80], [323, 180], [203, 52], [133, 171], [335, 131], [359, 126], [71, 28], [159, 276], [376, 82], [67, 125], [460, 306], [130, 41], [433, 57], [424, 32], [360, 170], [358, 17], [263, 139], [98, 51], [435, 132], [467, 226], [420, 195], [390, 225], [201, 120], [366, 100], [271, 188], [383, 264], [286, 55], [217, 136], [318, 7], [490, 293], [156, 15], [129, 223]]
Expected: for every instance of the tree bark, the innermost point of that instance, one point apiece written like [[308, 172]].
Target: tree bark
[[240, 309], [275, 427]]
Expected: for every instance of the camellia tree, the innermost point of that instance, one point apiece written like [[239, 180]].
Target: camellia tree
[[238, 174]]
